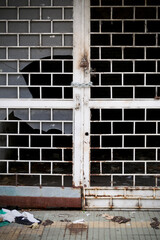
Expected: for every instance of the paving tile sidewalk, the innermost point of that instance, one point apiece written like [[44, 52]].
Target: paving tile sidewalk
[[95, 227]]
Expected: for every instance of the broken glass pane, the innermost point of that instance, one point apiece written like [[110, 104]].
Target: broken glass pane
[[51, 128], [30, 92], [16, 79], [18, 114], [29, 127]]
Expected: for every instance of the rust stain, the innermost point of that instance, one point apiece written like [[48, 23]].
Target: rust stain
[[84, 62], [76, 228], [40, 202]]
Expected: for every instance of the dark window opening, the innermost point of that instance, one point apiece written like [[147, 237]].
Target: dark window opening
[[122, 154], [100, 154], [134, 167], [48, 65], [100, 181], [122, 181], [112, 168]]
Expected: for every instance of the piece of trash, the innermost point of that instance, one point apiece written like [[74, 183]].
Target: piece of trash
[[47, 222], [65, 220], [79, 221], [99, 215], [120, 219], [34, 225], [88, 214], [108, 217], [155, 224]]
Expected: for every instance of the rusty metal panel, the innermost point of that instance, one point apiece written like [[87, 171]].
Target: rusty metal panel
[[45, 197]]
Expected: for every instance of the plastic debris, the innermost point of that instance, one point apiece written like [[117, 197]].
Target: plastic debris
[[47, 222], [79, 221], [155, 224], [34, 225]]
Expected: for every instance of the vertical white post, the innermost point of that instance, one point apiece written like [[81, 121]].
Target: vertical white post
[[77, 93], [86, 109], [81, 29]]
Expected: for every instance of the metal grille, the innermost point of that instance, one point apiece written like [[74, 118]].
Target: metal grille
[[125, 49], [36, 49], [36, 45], [36, 147], [125, 147], [124, 62]]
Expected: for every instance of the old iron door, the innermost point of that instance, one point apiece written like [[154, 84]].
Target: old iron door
[[120, 111]]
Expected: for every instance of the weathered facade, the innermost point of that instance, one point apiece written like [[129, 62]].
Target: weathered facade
[[79, 103]]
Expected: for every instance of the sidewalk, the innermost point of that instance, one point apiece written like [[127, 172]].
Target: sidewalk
[[94, 227]]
